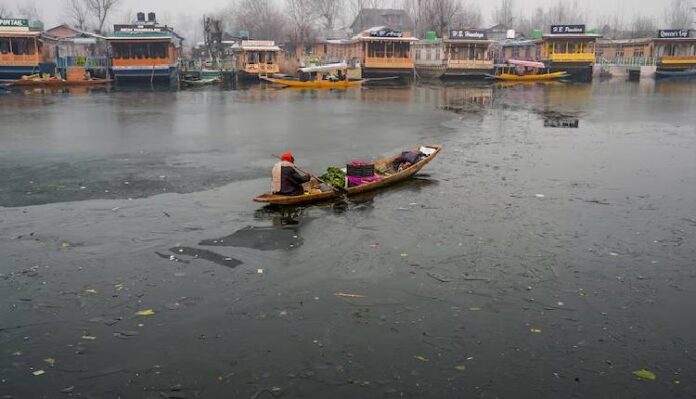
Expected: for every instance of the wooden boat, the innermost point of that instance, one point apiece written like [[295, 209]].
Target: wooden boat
[[54, 81], [507, 74], [689, 73], [5, 86], [315, 78], [508, 77], [383, 167], [199, 82]]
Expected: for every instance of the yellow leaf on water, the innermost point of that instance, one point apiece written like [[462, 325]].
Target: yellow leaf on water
[[91, 291], [39, 372], [50, 361], [404, 255], [475, 309], [148, 312], [89, 337], [460, 368], [421, 358], [645, 374], [536, 330], [118, 287]]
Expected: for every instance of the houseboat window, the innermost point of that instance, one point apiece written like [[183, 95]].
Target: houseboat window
[[22, 46], [269, 58], [158, 50], [437, 54], [428, 54], [4, 45]]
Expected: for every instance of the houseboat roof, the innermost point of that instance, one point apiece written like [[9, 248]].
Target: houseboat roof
[[469, 41], [572, 36], [519, 43], [528, 64], [644, 40], [256, 45], [144, 31], [10, 33], [67, 32]]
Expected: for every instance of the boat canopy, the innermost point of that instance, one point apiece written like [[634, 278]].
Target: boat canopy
[[528, 64], [325, 68]]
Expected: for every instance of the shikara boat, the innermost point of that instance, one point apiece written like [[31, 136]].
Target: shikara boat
[[331, 76], [199, 82], [507, 74], [383, 167]]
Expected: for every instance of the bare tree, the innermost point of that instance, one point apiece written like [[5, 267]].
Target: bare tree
[[643, 26], [301, 20], [101, 10], [469, 17], [261, 18], [328, 12], [3, 12], [28, 10], [356, 6], [679, 15], [566, 13], [439, 14], [75, 12], [504, 14]]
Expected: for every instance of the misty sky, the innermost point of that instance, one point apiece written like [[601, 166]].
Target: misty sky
[[186, 14]]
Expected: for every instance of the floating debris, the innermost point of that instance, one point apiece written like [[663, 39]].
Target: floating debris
[[421, 358], [39, 372], [146, 312], [344, 295], [645, 374], [536, 330]]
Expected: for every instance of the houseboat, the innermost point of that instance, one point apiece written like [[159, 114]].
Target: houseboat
[[467, 54], [145, 51], [571, 49], [255, 58], [77, 53], [430, 60], [386, 52], [20, 49], [675, 50]]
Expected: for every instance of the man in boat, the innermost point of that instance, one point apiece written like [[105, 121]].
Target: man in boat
[[286, 179]]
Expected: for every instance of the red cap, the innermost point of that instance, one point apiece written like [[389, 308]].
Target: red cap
[[287, 156]]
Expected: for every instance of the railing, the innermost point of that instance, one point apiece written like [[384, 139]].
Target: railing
[[470, 64], [261, 69], [85, 62], [627, 61], [572, 57], [383, 62], [678, 59]]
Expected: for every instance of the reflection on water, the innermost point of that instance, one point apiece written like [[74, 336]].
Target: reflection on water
[[260, 238]]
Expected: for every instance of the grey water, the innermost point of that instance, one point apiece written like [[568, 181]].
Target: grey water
[[547, 252]]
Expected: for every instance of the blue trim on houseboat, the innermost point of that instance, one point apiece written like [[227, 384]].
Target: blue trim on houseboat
[[14, 72]]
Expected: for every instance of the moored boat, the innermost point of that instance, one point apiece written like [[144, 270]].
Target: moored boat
[[199, 82], [521, 67], [39, 81], [383, 168], [319, 77], [689, 73]]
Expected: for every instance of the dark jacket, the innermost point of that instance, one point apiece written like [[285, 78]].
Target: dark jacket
[[287, 180]]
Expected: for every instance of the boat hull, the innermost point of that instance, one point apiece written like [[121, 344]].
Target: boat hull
[[58, 82], [507, 77], [675, 74], [385, 182], [430, 72], [317, 84], [145, 73]]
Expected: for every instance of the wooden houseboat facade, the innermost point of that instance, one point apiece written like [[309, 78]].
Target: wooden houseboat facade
[[145, 51], [467, 54], [569, 48], [430, 61], [20, 49], [675, 50], [255, 58]]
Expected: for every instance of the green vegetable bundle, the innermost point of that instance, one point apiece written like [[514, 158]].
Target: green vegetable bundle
[[334, 176]]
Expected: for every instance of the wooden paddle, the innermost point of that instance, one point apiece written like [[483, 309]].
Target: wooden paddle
[[334, 188]]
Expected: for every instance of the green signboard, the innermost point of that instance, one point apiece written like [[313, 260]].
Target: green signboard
[[14, 22]]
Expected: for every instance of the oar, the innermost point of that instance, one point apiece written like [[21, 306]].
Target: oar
[[336, 189]]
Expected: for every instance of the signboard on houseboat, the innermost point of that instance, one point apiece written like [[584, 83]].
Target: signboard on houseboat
[[567, 29], [673, 33], [139, 28], [468, 34], [14, 22], [386, 33]]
